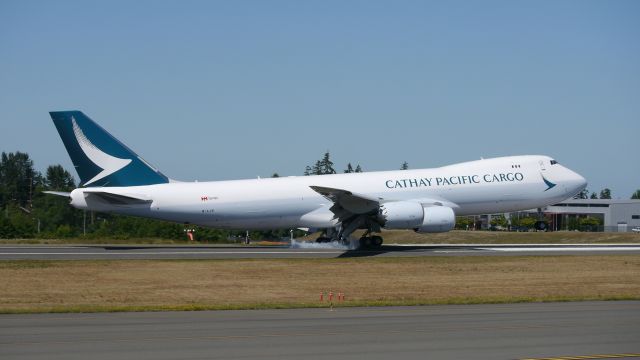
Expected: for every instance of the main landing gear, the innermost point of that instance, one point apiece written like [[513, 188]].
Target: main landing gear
[[365, 242], [370, 242], [343, 232]]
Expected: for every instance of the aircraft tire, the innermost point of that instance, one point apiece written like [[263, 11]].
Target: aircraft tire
[[376, 241], [365, 242]]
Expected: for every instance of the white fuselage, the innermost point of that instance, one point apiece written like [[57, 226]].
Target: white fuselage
[[478, 187]]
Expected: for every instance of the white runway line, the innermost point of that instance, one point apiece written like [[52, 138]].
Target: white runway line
[[633, 245], [603, 248]]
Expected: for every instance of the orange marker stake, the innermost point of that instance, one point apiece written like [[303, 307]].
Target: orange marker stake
[[321, 297]]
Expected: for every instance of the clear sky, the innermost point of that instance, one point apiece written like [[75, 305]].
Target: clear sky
[[224, 90]]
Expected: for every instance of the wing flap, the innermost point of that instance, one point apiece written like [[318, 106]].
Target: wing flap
[[346, 203]]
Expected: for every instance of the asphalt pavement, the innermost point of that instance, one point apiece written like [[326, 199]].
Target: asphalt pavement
[[300, 250], [514, 331]]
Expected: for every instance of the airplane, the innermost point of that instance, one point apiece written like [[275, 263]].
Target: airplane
[[115, 179]]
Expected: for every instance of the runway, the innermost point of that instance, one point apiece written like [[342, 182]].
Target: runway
[[311, 250], [514, 331]]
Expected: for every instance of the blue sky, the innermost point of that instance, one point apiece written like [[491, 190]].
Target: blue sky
[[224, 90]]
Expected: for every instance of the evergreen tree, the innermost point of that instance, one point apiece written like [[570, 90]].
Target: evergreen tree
[[7, 231], [358, 169], [326, 165], [18, 179], [594, 195], [321, 167], [605, 193], [349, 169], [59, 179], [53, 212], [275, 175], [405, 166], [636, 194], [584, 194]]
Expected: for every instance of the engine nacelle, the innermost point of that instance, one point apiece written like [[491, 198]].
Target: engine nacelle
[[412, 215], [401, 215], [437, 219]]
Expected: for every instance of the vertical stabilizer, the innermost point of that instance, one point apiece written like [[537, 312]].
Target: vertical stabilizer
[[99, 158]]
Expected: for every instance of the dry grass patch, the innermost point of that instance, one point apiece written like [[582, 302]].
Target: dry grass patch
[[27, 286]]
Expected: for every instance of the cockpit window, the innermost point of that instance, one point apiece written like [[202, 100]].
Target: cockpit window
[[553, 162]]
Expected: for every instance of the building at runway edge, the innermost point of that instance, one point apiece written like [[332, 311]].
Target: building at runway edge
[[616, 215]]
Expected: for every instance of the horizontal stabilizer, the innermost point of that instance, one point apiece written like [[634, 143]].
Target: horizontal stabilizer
[[58, 193], [118, 199]]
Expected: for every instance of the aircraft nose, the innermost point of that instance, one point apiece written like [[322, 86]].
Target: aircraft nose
[[582, 182], [575, 183]]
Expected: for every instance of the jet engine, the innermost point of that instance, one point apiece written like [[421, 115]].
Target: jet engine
[[401, 215], [412, 215], [437, 219]]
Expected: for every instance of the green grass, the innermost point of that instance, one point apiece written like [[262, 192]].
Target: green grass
[[390, 237], [316, 305], [506, 237], [102, 241]]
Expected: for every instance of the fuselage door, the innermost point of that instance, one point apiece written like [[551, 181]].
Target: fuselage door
[[542, 167]]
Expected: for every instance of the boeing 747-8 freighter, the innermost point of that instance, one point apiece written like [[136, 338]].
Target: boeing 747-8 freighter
[[115, 179]]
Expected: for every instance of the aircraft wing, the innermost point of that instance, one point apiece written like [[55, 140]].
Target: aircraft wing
[[346, 204]]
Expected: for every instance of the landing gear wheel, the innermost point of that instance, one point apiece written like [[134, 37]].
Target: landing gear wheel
[[370, 242], [376, 241], [365, 242]]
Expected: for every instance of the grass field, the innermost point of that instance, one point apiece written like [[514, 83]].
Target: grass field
[[398, 237], [62, 286], [504, 237]]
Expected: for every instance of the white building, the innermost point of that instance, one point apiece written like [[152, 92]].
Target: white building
[[617, 215]]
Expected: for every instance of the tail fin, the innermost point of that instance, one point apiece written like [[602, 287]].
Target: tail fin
[[99, 158]]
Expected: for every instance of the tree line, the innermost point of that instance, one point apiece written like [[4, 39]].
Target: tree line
[[604, 194]]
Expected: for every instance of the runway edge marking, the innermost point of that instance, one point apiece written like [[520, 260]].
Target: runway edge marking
[[584, 357]]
